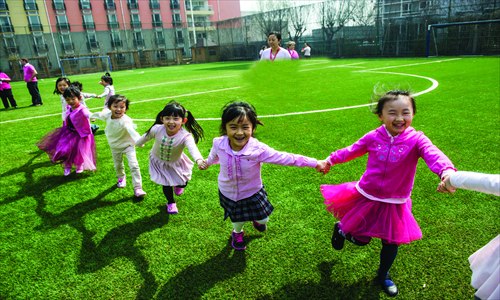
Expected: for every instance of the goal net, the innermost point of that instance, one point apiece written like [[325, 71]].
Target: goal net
[[85, 64]]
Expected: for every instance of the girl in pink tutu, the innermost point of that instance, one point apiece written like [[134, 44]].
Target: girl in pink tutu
[[168, 165], [72, 144], [379, 204]]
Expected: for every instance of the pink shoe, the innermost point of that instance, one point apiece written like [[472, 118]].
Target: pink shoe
[[79, 169], [122, 182], [172, 208], [178, 191], [238, 243], [67, 171], [139, 193]]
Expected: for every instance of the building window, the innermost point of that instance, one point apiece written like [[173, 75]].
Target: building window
[[85, 4], [135, 21], [58, 4], [62, 22], [157, 20], [138, 39], [92, 41], [66, 43], [113, 21], [39, 44], [154, 4], [160, 38], [30, 5], [5, 25], [179, 37], [3, 5], [115, 38], [174, 4], [34, 23], [176, 20], [88, 22], [109, 4], [132, 4], [406, 7], [10, 44]]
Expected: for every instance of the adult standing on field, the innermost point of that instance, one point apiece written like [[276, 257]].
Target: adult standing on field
[[6, 91], [274, 51], [30, 74], [306, 50]]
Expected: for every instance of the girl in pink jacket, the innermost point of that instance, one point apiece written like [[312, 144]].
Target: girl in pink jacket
[[240, 155], [379, 204]]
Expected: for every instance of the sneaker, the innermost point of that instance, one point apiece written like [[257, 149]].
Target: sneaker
[[388, 285], [172, 208], [67, 171], [237, 242], [178, 191], [139, 193], [337, 238], [259, 227], [94, 128], [79, 170], [122, 182]]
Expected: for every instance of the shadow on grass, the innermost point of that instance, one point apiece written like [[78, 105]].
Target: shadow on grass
[[32, 188], [326, 288], [194, 281]]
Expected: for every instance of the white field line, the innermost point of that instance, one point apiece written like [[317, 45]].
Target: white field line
[[176, 82], [353, 65], [411, 65], [139, 101]]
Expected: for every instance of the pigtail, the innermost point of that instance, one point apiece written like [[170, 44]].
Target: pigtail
[[157, 122], [193, 127]]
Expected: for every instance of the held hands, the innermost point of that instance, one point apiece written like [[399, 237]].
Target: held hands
[[202, 164], [323, 166], [445, 186]]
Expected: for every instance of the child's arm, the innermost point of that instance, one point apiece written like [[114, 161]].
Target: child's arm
[[479, 182], [213, 158], [349, 153], [146, 137], [102, 115], [270, 155], [131, 129], [193, 150], [87, 95], [435, 159]]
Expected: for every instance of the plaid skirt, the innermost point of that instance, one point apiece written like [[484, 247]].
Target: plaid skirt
[[253, 208]]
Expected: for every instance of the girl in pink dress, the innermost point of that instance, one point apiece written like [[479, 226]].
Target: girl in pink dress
[[72, 144], [168, 165], [379, 204]]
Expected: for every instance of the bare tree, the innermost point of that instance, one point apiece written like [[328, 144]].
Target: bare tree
[[272, 16], [334, 15], [364, 13], [298, 17]]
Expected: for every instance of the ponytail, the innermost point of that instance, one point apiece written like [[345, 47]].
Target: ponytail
[[193, 127]]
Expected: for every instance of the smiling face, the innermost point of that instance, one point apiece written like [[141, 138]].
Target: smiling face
[[62, 86], [73, 101], [118, 109], [239, 131], [397, 115], [173, 124], [273, 41]]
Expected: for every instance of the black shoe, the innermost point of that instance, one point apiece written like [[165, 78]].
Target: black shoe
[[388, 285], [337, 238]]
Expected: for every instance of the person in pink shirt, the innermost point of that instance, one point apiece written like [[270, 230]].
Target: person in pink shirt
[[174, 129], [291, 49], [6, 91], [240, 155], [30, 77], [379, 204]]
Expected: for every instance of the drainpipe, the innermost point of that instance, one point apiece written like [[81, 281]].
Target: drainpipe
[[52, 35]]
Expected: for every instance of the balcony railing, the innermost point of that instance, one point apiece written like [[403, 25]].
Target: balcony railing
[[157, 24], [135, 24], [88, 26], [6, 28], [36, 27], [113, 25]]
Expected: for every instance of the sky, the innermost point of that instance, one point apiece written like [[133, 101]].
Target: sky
[[253, 5]]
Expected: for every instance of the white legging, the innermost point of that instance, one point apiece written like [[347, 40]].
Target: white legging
[[238, 226]]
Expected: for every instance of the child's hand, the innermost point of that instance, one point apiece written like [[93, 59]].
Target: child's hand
[[445, 185], [202, 164], [323, 166]]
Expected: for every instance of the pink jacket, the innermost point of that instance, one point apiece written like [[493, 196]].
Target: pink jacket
[[392, 162], [239, 175], [80, 120]]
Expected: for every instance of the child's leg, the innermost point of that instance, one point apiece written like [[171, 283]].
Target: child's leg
[[238, 226], [261, 225], [179, 189], [387, 256], [133, 164], [237, 236], [169, 194], [118, 162]]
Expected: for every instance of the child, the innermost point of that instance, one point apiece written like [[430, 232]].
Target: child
[[73, 143], [79, 85], [379, 204], [485, 262], [121, 135], [240, 155], [62, 83], [6, 91], [291, 49], [168, 165], [109, 89]]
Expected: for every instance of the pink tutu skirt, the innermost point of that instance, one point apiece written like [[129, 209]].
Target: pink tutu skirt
[[364, 218], [64, 145]]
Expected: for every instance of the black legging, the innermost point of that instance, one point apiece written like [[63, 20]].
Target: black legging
[[387, 256], [168, 191]]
